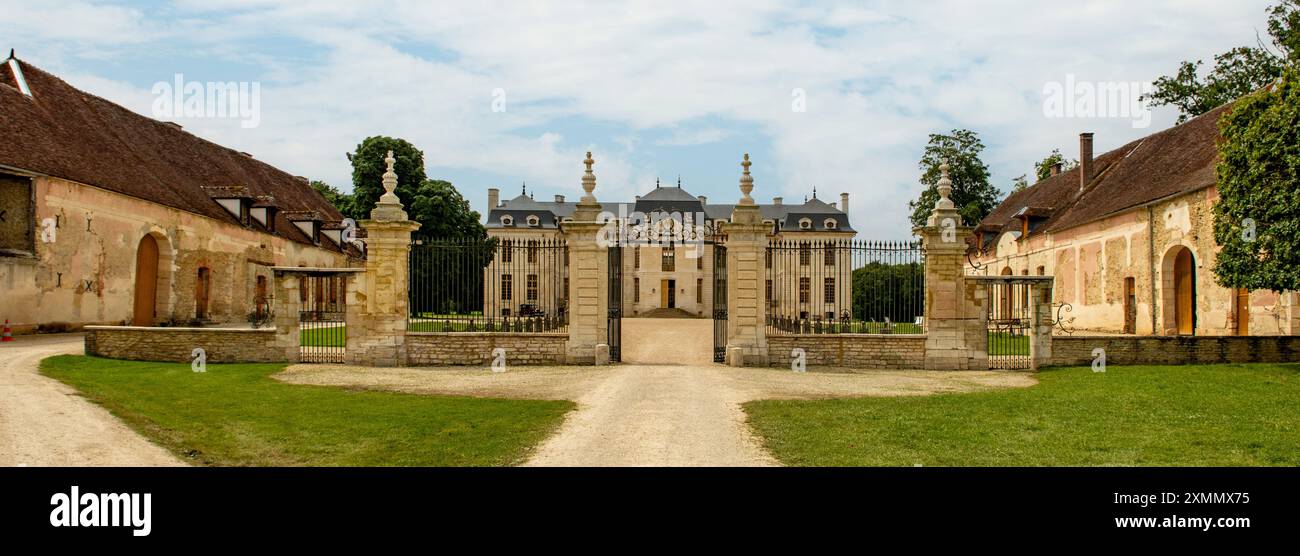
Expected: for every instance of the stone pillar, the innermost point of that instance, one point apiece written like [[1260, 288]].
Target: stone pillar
[[377, 299], [286, 315], [1041, 321], [956, 333], [588, 278], [747, 239]]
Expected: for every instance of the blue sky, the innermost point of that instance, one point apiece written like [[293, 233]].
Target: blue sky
[[655, 89]]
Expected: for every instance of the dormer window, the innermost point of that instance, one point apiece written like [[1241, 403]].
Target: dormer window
[[533, 221], [805, 224], [830, 224], [307, 221], [263, 212], [507, 220], [234, 198]]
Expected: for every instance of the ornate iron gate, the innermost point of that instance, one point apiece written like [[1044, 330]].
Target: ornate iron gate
[[719, 303], [322, 322], [615, 322], [1008, 324]]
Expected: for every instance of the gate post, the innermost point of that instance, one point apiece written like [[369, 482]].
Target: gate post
[[588, 284], [377, 300], [746, 242], [1041, 322], [956, 336], [287, 327]]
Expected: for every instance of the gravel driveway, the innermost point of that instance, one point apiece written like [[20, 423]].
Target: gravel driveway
[[44, 422], [653, 415]]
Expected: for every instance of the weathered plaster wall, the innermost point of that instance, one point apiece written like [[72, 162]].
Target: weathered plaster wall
[[178, 344], [1090, 263], [866, 351], [87, 274]]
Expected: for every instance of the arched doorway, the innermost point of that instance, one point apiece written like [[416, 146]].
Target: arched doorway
[[1179, 291], [146, 281]]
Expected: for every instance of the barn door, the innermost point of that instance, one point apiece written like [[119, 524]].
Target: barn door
[[146, 281]]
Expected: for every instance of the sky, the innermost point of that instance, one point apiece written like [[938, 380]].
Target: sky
[[840, 97]]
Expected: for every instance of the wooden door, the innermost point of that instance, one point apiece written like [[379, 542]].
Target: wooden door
[[1185, 293], [1130, 306], [146, 281], [672, 294], [663, 293], [1243, 312]]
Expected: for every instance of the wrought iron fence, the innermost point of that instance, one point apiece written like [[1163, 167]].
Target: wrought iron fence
[[844, 287], [489, 285], [322, 318]]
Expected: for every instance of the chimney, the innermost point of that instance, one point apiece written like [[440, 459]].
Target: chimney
[[1056, 169], [494, 198], [704, 200], [844, 203], [559, 198], [1085, 160], [777, 201]]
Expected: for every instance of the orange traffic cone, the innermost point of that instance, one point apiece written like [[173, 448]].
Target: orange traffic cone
[[9, 336]]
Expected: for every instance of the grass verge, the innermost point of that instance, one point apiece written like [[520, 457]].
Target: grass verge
[[235, 414]]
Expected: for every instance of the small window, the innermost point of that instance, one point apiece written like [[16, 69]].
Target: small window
[[507, 251], [805, 289], [805, 224], [669, 262], [830, 223], [507, 220], [636, 290], [828, 255], [699, 290], [531, 288], [534, 221], [828, 291], [805, 255], [507, 287], [636, 257]]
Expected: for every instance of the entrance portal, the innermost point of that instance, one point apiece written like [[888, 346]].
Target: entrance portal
[[146, 282]]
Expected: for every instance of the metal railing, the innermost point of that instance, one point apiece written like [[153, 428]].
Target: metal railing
[[489, 285], [844, 287]]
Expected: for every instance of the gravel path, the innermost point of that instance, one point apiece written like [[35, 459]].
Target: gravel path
[[654, 415], [44, 422]]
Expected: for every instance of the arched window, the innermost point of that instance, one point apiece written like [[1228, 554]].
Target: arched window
[[507, 220], [830, 223]]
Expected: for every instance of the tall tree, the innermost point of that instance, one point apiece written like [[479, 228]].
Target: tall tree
[[442, 212], [1043, 168], [368, 169], [974, 196], [1236, 72], [1257, 217]]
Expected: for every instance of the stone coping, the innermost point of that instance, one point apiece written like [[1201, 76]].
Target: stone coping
[[317, 269], [1009, 278], [493, 334], [848, 335], [179, 328]]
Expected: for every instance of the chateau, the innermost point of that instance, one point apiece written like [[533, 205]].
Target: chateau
[[111, 217], [669, 259]]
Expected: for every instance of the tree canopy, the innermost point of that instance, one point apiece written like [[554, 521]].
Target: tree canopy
[[972, 193], [1257, 217], [1237, 72], [368, 169]]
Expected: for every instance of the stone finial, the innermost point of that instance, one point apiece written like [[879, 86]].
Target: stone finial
[[945, 189], [588, 181], [389, 207], [390, 182], [746, 182]]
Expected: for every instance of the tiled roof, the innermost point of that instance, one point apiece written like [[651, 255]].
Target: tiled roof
[[67, 133]]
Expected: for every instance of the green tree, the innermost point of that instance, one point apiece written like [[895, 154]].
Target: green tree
[[340, 200], [1236, 72], [974, 196], [1043, 169], [443, 212], [368, 169], [1257, 217], [1020, 183]]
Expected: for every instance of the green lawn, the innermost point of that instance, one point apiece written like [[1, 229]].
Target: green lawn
[[332, 336], [237, 415], [1214, 415], [1003, 343]]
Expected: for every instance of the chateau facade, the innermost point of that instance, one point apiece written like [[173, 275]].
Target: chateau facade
[[668, 259]]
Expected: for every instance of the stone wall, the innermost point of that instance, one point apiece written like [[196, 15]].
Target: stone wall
[[222, 345], [475, 348], [1176, 350], [867, 351]]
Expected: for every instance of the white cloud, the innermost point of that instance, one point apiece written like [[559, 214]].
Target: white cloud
[[878, 78]]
